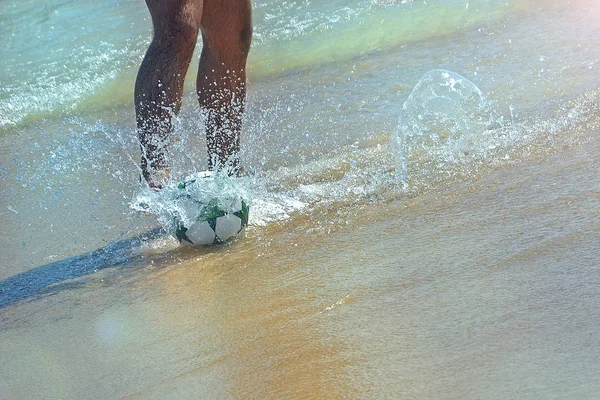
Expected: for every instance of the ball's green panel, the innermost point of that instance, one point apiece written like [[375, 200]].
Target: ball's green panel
[[244, 213], [180, 234], [211, 211], [212, 222]]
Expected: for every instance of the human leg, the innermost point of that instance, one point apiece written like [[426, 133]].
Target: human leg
[[221, 82], [159, 83]]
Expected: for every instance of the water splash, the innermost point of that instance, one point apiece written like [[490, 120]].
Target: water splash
[[449, 118], [180, 202]]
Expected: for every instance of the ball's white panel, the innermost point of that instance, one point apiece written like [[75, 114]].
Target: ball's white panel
[[228, 226], [201, 233]]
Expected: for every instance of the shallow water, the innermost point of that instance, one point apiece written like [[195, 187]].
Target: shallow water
[[476, 277], [485, 289]]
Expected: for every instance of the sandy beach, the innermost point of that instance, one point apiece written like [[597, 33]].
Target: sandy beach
[[473, 274]]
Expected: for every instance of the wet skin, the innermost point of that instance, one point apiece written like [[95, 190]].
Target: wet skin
[[226, 30]]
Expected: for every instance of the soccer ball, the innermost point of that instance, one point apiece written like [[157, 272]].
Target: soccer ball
[[202, 222], [213, 224]]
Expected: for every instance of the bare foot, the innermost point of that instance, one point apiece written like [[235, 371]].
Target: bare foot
[[157, 179]]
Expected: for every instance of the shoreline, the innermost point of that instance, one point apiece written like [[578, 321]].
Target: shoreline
[[457, 285]]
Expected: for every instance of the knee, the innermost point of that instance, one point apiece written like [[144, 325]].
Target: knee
[[186, 24], [178, 28], [232, 44], [230, 40]]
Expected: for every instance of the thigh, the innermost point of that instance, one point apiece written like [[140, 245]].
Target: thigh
[[175, 15]]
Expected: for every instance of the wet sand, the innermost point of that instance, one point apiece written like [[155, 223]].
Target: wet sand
[[485, 288]]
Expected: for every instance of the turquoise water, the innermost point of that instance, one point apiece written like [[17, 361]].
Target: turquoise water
[[324, 77], [436, 159], [59, 55], [327, 84]]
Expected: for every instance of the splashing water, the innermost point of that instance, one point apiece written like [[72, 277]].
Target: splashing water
[[182, 202], [323, 100], [446, 116]]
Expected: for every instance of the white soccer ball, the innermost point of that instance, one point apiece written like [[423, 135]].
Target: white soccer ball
[[202, 222]]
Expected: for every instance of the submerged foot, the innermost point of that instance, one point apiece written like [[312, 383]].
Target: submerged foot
[[158, 179]]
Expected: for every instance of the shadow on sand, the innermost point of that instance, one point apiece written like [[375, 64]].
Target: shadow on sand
[[36, 281]]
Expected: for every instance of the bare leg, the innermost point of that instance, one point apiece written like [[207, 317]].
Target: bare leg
[[159, 83], [221, 82]]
